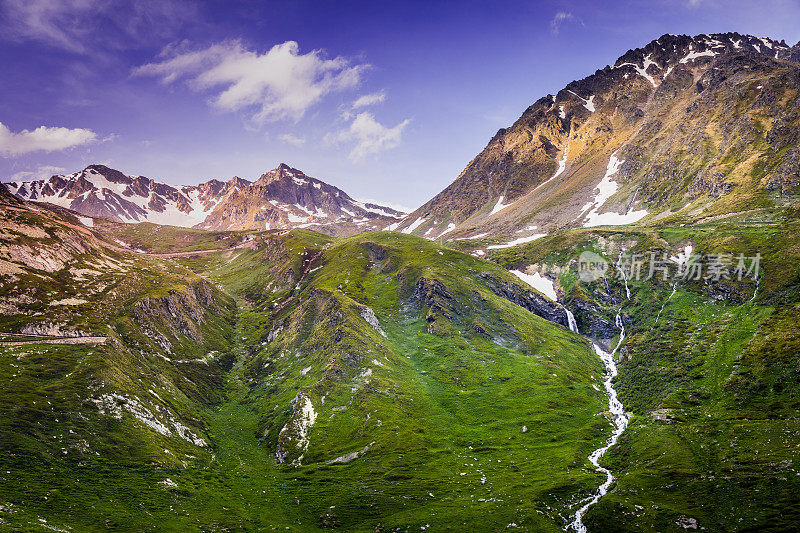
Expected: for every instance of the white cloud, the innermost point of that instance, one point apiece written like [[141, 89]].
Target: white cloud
[[42, 138], [290, 138], [85, 26], [281, 83], [370, 136], [42, 172], [559, 19], [43, 20], [370, 99]]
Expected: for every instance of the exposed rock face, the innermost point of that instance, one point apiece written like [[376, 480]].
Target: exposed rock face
[[369, 315], [346, 458], [294, 437], [50, 329], [683, 118], [433, 294], [47, 259], [533, 302], [178, 313], [286, 198], [7, 197], [591, 322], [282, 198]]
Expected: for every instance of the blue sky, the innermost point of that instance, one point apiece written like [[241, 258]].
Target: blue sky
[[387, 100]]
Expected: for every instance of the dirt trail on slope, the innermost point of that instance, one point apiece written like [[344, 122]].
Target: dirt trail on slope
[[249, 244], [57, 340]]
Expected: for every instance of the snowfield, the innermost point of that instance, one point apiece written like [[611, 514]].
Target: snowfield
[[538, 282], [605, 190]]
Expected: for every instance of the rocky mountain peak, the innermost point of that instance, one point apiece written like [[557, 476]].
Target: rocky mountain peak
[[682, 119], [238, 183], [658, 58], [282, 198], [112, 175], [284, 173]]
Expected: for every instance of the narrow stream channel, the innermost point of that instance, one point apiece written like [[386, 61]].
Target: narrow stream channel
[[619, 418]]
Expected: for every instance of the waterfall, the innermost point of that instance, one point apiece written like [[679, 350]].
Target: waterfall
[[622, 271], [674, 288], [573, 326], [755, 292]]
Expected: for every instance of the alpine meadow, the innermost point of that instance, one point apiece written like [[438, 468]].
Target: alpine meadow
[[594, 326]]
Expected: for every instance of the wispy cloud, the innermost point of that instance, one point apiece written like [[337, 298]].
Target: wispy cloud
[[370, 136], [281, 83], [294, 140], [42, 172], [558, 20], [370, 99], [43, 138], [87, 26]]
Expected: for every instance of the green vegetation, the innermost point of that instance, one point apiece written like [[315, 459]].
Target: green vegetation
[[154, 238], [710, 373], [452, 408], [383, 382]]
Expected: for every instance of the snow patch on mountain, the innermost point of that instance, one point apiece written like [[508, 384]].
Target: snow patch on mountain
[[642, 71], [692, 55], [414, 225], [538, 282], [86, 221], [383, 211], [588, 104], [450, 227], [499, 206], [521, 240], [605, 190], [562, 165]]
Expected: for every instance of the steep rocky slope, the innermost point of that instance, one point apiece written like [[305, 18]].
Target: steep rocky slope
[[282, 198], [699, 125]]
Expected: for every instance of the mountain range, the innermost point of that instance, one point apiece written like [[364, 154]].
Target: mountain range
[[702, 125], [283, 198], [459, 372], [682, 127]]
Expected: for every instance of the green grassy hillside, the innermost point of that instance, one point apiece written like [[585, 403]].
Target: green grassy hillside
[[376, 382], [709, 371], [385, 383], [454, 408]]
